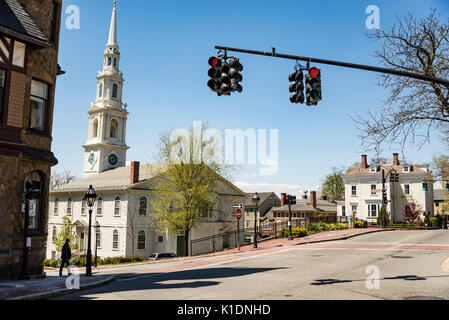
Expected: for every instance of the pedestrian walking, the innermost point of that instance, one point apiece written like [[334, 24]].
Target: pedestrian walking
[[66, 255]]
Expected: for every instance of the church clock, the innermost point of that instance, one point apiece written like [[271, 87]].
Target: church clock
[[112, 159], [92, 159]]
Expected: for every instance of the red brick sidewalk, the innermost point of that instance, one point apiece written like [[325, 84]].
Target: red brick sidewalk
[[46, 288]]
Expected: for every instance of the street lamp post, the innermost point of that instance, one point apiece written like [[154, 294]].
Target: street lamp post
[[90, 197], [290, 236], [97, 228], [256, 200]]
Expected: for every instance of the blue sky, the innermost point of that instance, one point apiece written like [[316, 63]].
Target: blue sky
[[165, 46]]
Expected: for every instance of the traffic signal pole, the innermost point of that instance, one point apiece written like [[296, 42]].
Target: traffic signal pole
[[339, 63]]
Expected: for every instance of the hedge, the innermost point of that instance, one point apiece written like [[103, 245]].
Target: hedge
[[81, 262], [297, 232]]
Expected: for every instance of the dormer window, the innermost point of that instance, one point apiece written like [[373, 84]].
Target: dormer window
[[373, 169], [406, 169]]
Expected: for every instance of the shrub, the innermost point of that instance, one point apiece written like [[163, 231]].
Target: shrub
[[54, 263], [297, 232], [359, 224], [380, 217], [317, 227]]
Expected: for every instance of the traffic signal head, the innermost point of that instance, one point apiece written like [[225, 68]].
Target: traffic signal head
[[293, 199], [447, 186], [215, 74], [424, 186], [313, 86], [297, 88], [235, 67]]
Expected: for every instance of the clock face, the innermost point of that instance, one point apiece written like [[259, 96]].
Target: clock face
[[92, 159], [112, 159]]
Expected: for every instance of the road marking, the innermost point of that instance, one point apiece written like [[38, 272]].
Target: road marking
[[413, 237], [445, 265]]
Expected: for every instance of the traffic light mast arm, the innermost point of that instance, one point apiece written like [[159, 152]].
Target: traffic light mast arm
[[340, 64]]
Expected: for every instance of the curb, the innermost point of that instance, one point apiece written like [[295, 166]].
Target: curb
[[62, 292]]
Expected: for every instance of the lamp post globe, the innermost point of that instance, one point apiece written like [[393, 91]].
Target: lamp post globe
[[256, 200], [90, 197]]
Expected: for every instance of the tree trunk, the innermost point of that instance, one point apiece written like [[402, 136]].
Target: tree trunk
[[186, 243]]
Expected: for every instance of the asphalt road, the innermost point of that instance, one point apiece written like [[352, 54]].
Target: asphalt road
[[384, 265]]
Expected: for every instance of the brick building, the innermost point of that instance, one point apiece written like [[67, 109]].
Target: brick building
[[29, 40]]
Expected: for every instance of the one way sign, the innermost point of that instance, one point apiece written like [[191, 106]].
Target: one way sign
[[237, 206]]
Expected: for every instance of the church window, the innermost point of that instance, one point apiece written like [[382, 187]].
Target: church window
[[95, 128], [113, 129], [69, 206], [54, 234], [115, 240], [38, 102], [109, 61], [115, 62], [142, 206], [99, 206], [117, 206], [141, 240], [114, 91], [100, 90]]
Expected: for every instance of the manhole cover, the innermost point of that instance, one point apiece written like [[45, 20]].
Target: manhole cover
[[424, 298]]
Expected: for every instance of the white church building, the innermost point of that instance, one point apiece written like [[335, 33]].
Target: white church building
[[124, 192]]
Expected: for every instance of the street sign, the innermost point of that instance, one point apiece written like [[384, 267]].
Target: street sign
[[238, 214], [237, 206]]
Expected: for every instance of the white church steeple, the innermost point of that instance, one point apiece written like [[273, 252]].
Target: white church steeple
[[106, 143]]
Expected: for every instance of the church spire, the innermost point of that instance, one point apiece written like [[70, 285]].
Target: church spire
[[112, 41]]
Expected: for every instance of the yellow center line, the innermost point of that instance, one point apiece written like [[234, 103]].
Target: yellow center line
[[413, 237]]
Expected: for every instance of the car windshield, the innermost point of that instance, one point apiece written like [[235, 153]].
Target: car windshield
[[153, 255]]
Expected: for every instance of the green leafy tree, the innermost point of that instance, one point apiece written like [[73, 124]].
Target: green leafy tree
[[333, 186], [186, 186], [67, 232]]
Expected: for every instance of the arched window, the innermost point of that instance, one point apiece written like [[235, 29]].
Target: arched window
[[109, 61], [141, 240], [115, 62], [69, 206], [115, 240], [99, 206], [98, 237], [117, 206], [55, 208], [95, 128], [113, 129], [100, 90], [143, 206], [114, 91], [54, 234]]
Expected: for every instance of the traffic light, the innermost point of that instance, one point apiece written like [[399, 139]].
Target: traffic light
[[225, 85], [288, 199], [235, 67], [424, 186], [297, 88], [313, 86], [447, 186], [384, 195], [215, 74], [292, 199], [394, 177]]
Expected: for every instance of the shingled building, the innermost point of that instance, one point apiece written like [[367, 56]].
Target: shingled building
[[29, 40]]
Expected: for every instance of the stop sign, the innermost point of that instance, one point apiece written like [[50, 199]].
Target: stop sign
[[238, 214]]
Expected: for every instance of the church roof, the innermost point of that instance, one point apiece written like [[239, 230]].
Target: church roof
[[115, 179], [112, 40]]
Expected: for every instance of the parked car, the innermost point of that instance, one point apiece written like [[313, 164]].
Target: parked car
[[160, 256]]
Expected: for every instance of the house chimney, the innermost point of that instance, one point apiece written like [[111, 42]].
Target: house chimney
[[364, 163], [395, 159], [282, 199], [135, 166], [313, 199]]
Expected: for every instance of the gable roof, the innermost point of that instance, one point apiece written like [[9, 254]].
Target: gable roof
[[304, 206], [13, 17], [417, 169]]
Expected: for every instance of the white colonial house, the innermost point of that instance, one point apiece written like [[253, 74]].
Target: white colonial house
[[363, 190], [122, 208]]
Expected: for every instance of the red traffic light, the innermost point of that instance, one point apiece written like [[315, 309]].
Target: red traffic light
[[214, 62], [314, 72]]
